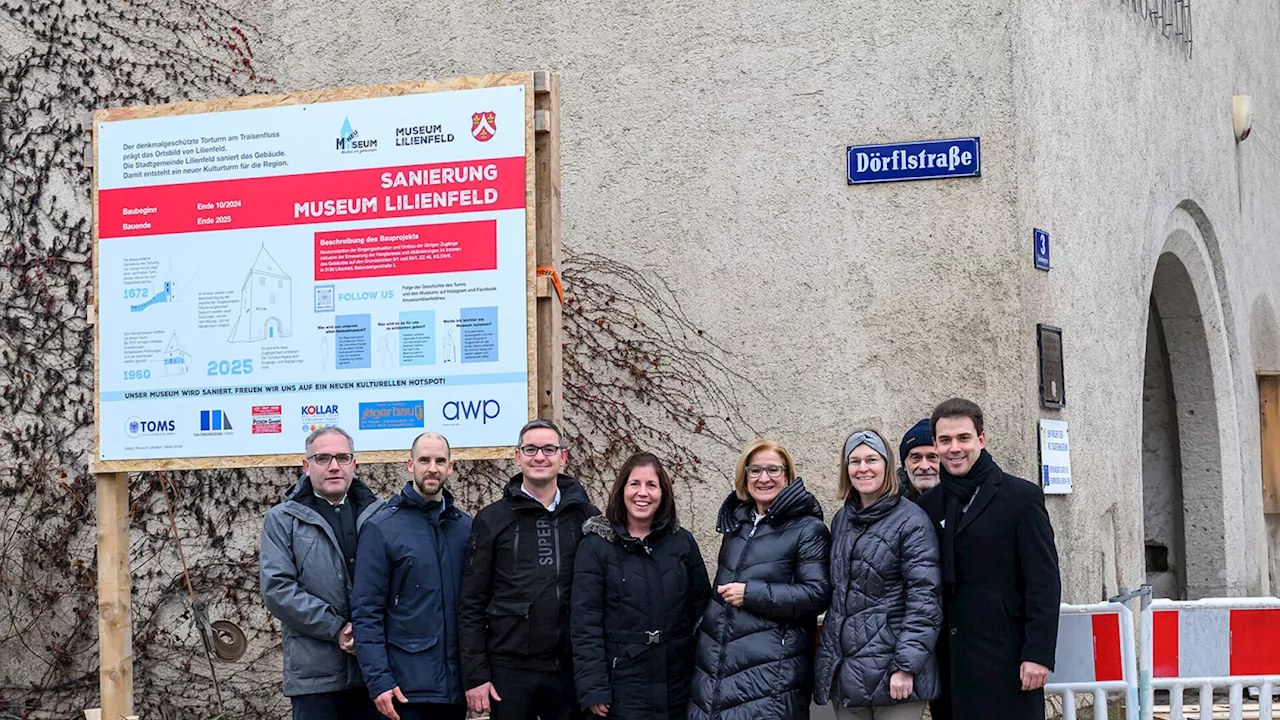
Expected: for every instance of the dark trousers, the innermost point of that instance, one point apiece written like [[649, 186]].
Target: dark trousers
[[430, 711], [353, 704], [530, 695]]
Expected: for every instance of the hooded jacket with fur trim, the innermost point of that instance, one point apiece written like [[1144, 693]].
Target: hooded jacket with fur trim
[[635, 606]]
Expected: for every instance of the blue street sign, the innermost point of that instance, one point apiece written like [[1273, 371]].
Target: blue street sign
[[924, 160], [1041, 249]]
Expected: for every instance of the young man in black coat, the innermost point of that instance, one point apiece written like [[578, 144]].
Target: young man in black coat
[[516, 580], [1001, 584]]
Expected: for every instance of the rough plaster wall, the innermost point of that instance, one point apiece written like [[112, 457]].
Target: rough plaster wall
[[705, 143], [1161, 480], [1115, 128]]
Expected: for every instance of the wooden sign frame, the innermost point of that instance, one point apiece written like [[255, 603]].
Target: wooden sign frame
[[545, 338]]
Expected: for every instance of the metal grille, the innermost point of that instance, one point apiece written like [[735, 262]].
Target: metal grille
[[1172, 18]]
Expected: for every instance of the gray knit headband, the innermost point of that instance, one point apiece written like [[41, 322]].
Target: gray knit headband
[[867, 438]]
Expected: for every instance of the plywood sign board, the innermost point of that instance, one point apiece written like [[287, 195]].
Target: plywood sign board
[[266, 266]]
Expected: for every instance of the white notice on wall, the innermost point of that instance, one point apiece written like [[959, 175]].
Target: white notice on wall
[[1055, 457]]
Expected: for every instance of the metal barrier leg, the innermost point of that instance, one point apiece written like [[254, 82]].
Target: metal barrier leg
[[1068, 705], [1237, 701], [1100, 705], [1175, 703], [1206, 702], [1264, 702]]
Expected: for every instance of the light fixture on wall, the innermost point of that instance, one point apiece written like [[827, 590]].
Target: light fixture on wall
[[1242, 116]]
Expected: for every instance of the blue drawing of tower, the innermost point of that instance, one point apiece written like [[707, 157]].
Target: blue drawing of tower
[[165, 295]]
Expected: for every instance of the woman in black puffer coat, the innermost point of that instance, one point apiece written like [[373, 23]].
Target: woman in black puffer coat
[[875, 654], [638, 585], [755, 645]]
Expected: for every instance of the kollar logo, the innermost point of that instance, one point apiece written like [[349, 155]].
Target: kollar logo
[[349, 140], [484, 125], [482, 410]]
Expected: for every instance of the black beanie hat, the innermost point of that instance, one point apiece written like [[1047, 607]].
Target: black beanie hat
[[919, 434]]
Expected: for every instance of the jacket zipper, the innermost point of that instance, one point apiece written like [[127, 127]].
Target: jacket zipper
[[555, 531], [515, 550], [404, 583], [835, 675], [715, 696]]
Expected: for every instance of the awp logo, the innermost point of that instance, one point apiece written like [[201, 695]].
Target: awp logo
[[349, 140], [137, 427], [457, 411]]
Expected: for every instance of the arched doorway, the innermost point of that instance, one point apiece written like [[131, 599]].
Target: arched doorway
[[1182, 454]]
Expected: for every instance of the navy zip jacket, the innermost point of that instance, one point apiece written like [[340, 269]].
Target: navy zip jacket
[[405, 598]]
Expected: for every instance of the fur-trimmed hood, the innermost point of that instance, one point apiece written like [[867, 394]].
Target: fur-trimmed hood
[[602, 526]]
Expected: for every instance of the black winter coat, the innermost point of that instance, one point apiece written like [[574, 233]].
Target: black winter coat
[[886, 604], [756, 661], [405, 598], [635, 606], [516, 582], [1003, 607]]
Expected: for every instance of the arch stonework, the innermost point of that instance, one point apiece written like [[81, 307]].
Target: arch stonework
[[1182, 284]]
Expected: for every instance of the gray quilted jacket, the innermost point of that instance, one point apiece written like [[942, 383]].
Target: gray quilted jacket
[[886, 605], [305, 585]]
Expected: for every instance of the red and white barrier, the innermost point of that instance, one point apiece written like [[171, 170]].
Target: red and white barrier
[[1095, 654], [1211, 643]]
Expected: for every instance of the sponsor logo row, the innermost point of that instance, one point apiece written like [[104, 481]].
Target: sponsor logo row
[[270, 419]]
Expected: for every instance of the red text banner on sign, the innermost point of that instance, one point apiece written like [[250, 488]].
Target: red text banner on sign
[[407, 191], [407, 250]]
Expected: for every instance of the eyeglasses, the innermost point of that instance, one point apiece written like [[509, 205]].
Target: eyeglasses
[[773, 471], [869, 462], [323, 459], [532, 450]]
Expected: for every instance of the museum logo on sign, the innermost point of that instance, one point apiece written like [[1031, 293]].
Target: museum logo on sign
[[422, 135], [349, 141]]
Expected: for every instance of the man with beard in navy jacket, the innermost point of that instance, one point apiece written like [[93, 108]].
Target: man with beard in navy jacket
[[407, 586]]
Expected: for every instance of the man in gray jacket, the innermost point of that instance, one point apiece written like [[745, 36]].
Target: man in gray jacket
[[307, 560]]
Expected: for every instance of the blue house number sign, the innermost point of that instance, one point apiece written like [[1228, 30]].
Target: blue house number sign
[[1041, 250], [925, 160]]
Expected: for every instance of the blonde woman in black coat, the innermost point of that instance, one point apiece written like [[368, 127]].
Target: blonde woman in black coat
[[755, 645]]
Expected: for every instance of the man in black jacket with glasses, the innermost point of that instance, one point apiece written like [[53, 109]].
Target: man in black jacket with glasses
[[514, 618]]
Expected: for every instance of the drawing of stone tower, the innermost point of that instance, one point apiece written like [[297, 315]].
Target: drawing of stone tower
[[266, 302]]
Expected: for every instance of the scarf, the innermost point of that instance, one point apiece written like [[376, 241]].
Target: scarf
[[957, 491]]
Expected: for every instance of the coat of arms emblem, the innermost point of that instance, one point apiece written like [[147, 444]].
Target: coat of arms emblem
[[484, 125]]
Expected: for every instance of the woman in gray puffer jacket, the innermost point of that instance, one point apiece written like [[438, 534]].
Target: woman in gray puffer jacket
[[754, 656], [875, 654]]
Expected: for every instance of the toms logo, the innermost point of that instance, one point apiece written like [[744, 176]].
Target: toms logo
[[456, 411], [349, 140], [136, 427]]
